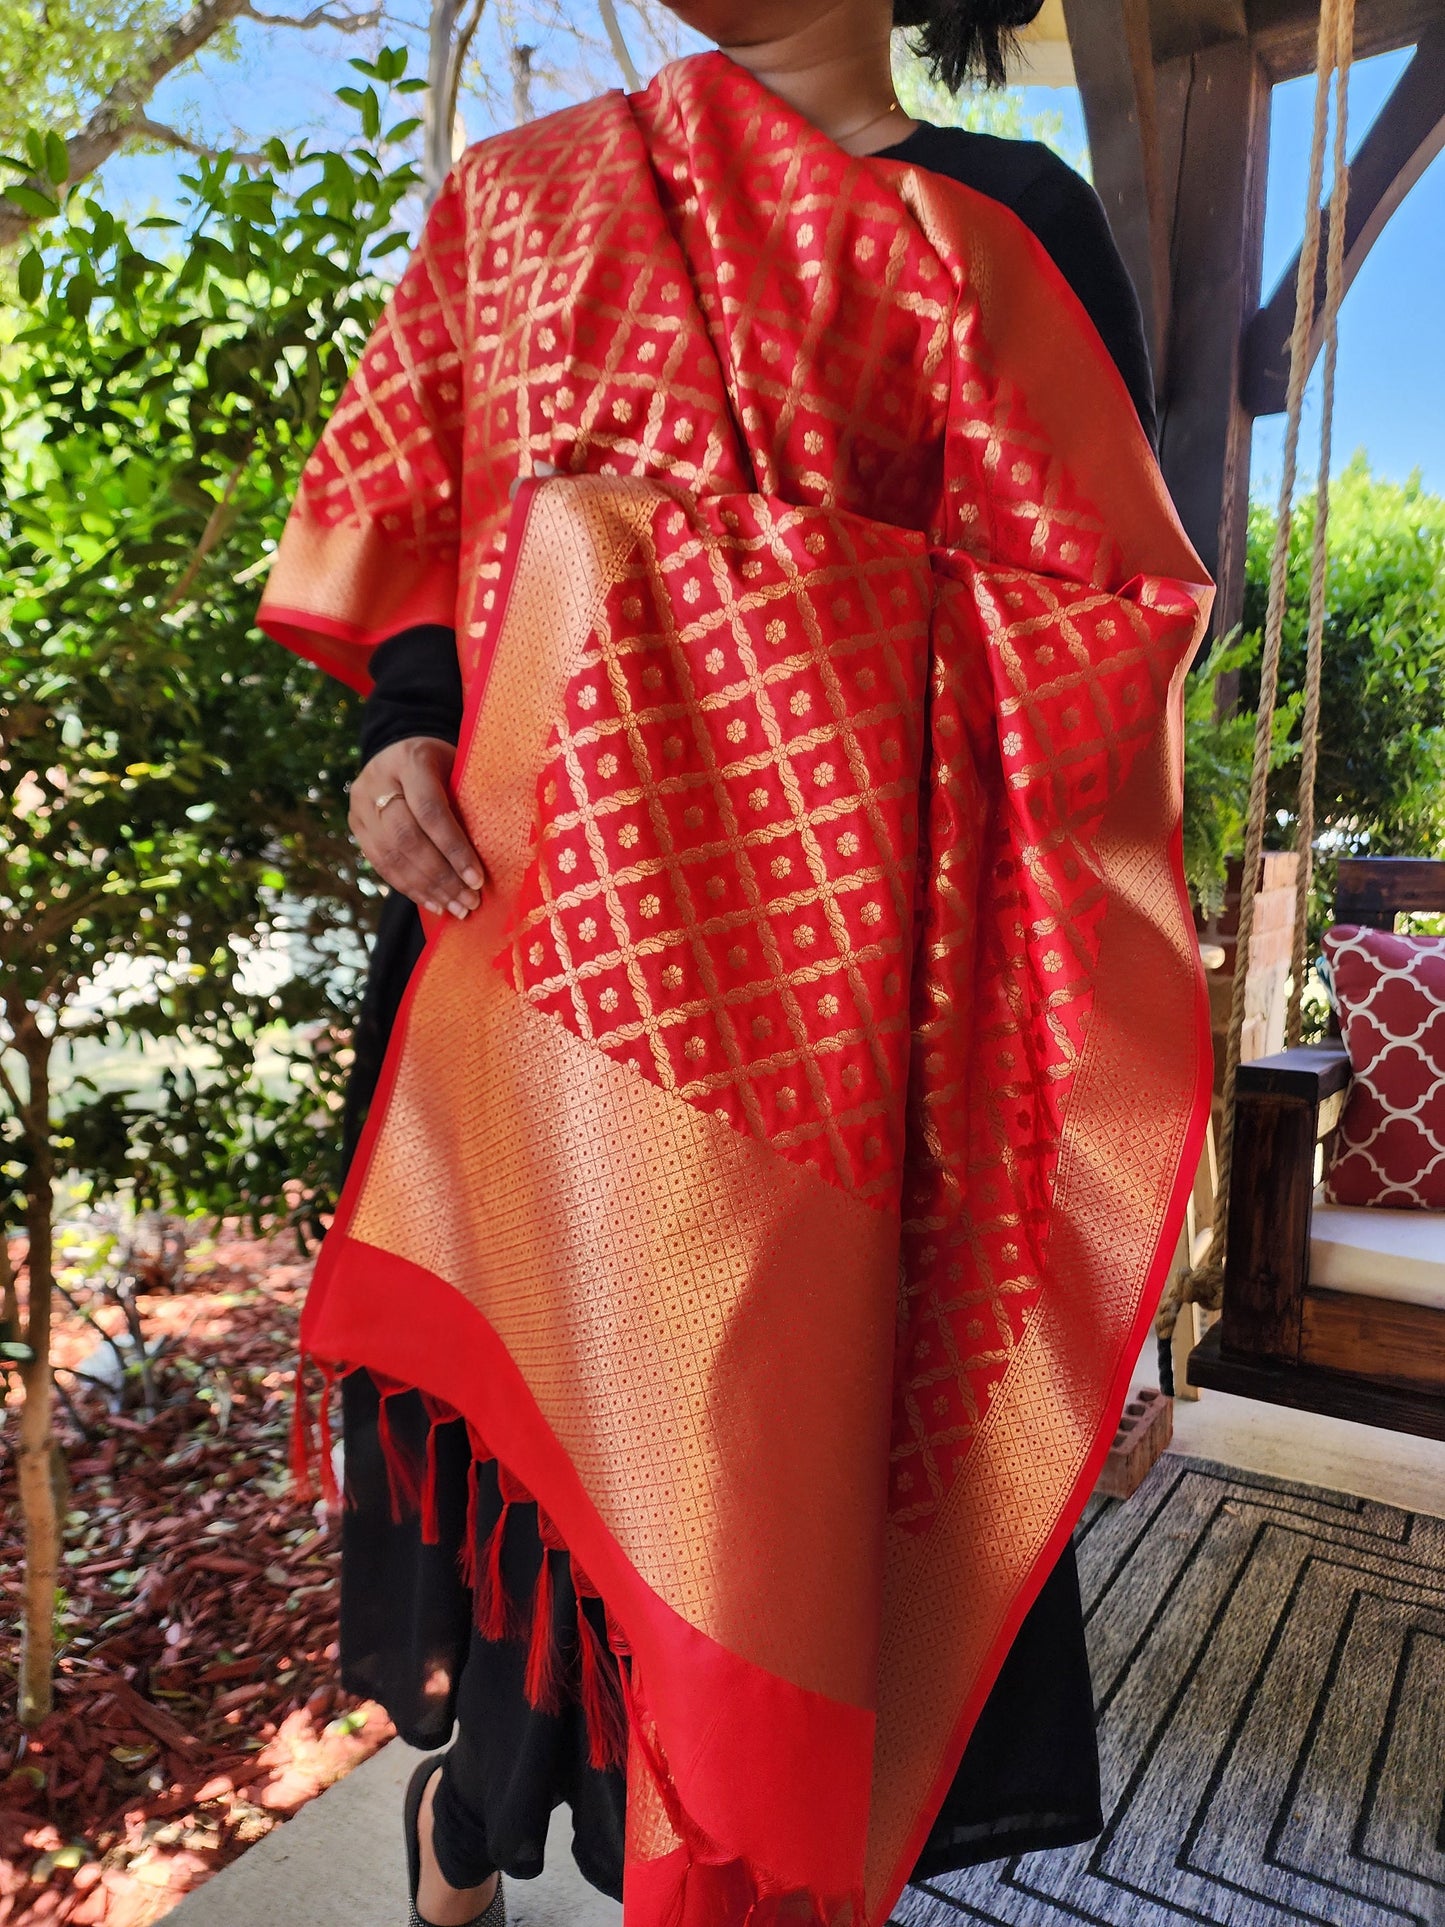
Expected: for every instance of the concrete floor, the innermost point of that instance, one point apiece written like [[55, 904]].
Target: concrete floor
[[1390, 1467], [340, 1863]]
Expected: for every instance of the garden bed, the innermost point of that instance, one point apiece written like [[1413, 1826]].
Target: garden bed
[[196, 1705]]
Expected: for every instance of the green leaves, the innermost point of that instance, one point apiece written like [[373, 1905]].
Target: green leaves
[[387, 69], [31, 201], [1382, 755], [58, 60], [79, 293], [364, 100], [171, 784], [389, 65], [1218, 758]]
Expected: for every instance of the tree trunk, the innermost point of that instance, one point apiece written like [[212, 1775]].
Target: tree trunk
[[35, 1451], [440, 95], [620, 53], [9, 1298], [521, 58]]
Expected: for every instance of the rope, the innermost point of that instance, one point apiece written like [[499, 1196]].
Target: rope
[[1204, 1284], [1319, 564]]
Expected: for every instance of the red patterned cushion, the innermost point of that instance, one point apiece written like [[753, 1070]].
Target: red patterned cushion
[[1391, 995]]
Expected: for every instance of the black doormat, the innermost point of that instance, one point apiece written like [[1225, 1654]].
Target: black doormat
[[1269, 1666]]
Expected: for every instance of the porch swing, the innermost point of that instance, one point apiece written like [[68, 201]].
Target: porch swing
[[1361, 1339]]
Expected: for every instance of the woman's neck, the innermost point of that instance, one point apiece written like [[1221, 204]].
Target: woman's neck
[[836, 71]]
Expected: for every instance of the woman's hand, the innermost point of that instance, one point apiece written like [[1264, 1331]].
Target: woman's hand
[[402, 818]]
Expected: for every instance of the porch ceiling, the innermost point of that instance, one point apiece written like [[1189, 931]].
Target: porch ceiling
[[1283, 32]]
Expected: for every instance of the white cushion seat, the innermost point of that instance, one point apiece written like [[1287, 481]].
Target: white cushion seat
[[1399, 1255]]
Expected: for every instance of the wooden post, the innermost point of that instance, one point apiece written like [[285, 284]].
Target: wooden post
[[1217, 249], [1276, 1127], [1179, 148], [1114, 68], [1268, 1234]]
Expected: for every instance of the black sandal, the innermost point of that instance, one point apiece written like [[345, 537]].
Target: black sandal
[[494, 1914]]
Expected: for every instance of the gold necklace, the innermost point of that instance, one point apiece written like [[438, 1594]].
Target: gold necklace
[[893, 107]]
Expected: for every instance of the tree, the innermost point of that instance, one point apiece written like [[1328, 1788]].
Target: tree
[[173, 796], [505, 52], [173, 784], [1381, 782], [86, 76]]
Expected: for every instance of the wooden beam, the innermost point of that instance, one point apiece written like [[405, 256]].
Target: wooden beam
[[1285, 31], [1406, 135], [1114, 69], [1308, 1074], [1216, 247], [1399, 1344], [1183, 27], [1309, 1388], [1377, 889]]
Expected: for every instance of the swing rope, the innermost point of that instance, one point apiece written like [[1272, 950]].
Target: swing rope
[[1319, 564], [1204, 1284]]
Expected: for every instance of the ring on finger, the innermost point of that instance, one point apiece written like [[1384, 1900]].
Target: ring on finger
[[387, 796]]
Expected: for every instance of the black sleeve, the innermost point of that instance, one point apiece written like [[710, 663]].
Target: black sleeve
[[417, 689], [1069, 219]]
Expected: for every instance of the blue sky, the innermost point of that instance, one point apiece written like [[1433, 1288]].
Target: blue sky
[[1390, 394], [1391, 384]]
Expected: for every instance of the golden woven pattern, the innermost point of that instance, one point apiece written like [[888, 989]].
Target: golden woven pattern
[[1069, 682], [722, 889], [1111, 1198], [841, 339], [628, 1248], [619, 334]]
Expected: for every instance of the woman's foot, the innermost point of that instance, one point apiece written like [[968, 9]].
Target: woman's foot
[[437, 1903]]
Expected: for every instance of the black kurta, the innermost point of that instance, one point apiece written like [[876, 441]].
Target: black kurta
[[1030, 1774]]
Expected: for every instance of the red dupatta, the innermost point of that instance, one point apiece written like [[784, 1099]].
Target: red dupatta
[[779, 1170]]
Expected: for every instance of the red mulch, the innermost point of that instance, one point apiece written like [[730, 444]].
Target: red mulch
[[196, 1704]]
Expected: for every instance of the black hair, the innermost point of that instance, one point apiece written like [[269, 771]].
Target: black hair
[[963, 39]]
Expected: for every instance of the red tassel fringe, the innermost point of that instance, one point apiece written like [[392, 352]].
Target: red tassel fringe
[[300, 1454], [543, 1687], [438, 1412], [413, 1489], [467, 1550], [329, 1491], [492, 1606], [602, 1706], [403, 1477], [431, 1532]]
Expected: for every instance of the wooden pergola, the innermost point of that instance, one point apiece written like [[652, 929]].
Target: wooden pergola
[[1176, 98]]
